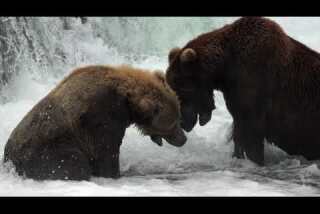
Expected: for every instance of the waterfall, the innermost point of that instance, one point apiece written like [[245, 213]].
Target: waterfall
[[45, 45]]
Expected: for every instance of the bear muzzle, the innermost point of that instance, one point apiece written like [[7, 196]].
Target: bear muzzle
[[189, 118], [156, 139], [177, 138], [204, 118]]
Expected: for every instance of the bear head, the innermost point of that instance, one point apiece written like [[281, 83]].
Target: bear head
[[158, 114], [189, 77]]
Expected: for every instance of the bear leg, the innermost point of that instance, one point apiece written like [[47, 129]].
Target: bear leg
[[58, 162], [107, 164], [238, 151], [249, 141]]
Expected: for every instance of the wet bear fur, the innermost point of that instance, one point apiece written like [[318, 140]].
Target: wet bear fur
[[76, 130], [270, 83]]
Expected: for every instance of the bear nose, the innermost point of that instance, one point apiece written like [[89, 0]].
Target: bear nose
[[181, 141], [177, 139], [187, 126]]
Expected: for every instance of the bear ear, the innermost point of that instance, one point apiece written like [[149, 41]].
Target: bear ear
[[188, 55], [173, 53], [147, 109]]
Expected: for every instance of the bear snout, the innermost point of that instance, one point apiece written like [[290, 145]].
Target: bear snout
[[204, 118], [178, 138], [189, 118]]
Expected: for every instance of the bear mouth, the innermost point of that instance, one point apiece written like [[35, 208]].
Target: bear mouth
[[177, 139], [189, 121], [156, 139]]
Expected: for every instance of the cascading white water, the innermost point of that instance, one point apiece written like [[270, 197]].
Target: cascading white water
[[43, 50]]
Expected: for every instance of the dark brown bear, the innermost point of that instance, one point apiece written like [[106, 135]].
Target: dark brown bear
[[270, 83], [77, 129]]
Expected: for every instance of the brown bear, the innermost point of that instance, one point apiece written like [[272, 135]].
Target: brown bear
[[77, 129], [270, 83]]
